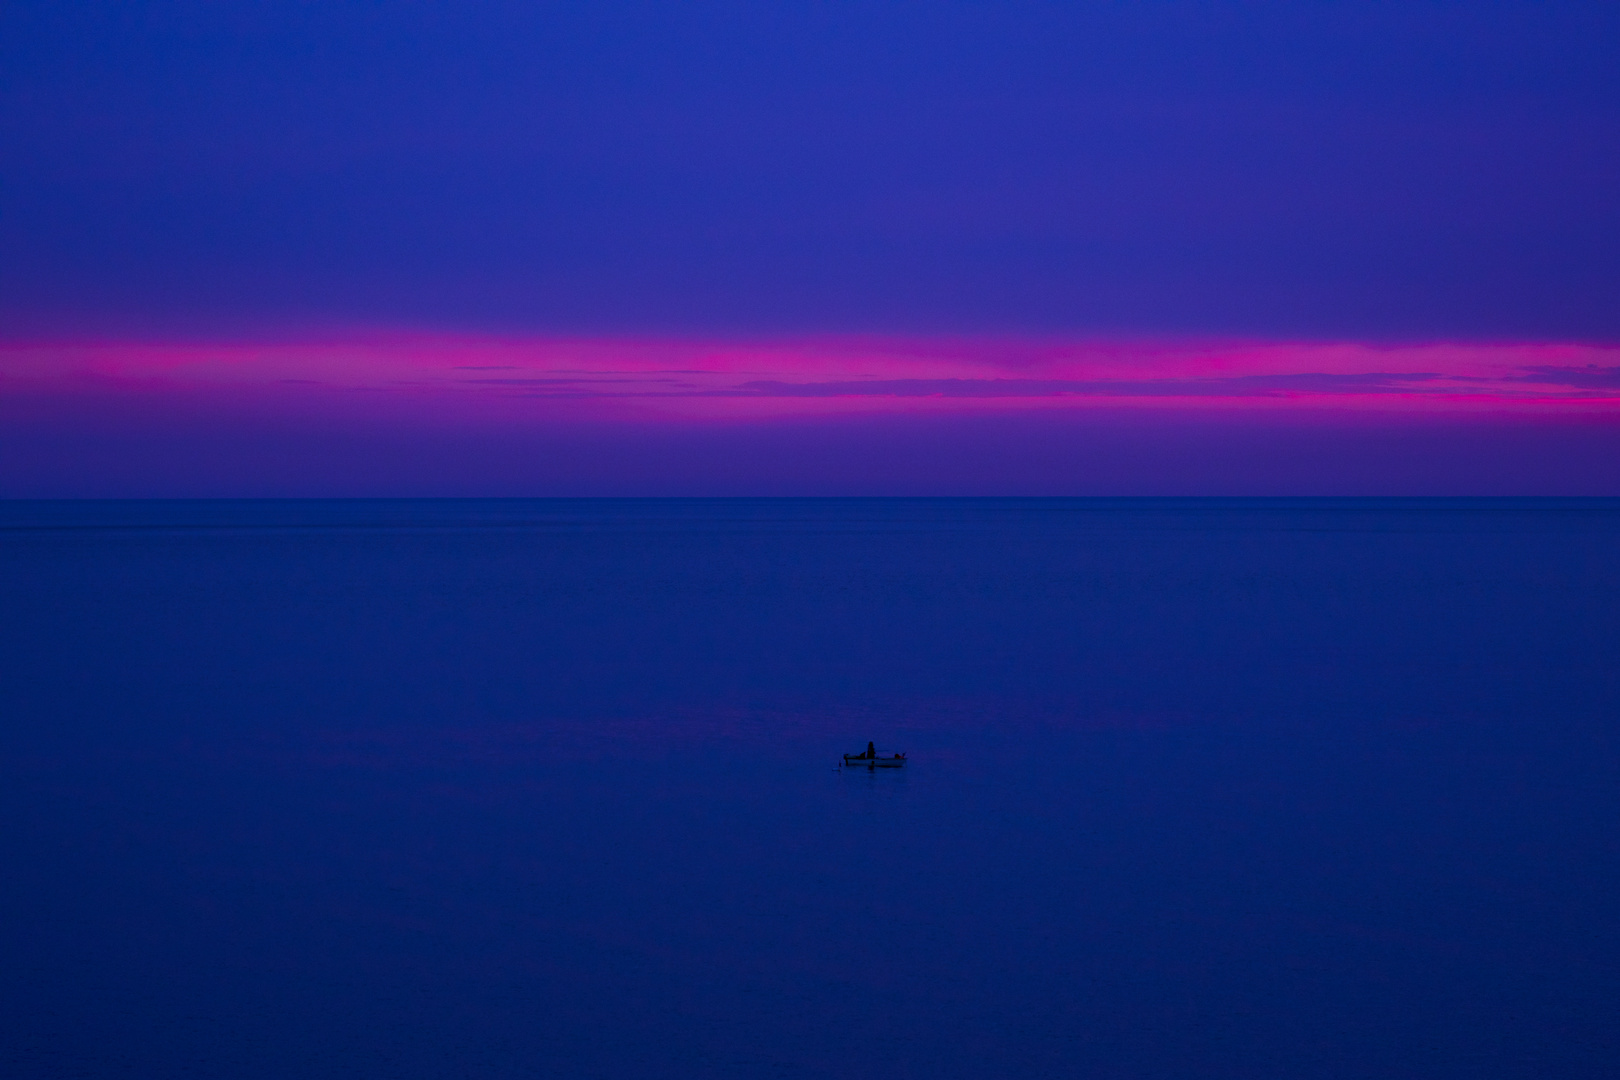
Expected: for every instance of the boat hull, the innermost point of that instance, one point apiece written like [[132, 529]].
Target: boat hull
[[854, 761]]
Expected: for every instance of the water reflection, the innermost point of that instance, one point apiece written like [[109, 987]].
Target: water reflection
[[1226, 790]]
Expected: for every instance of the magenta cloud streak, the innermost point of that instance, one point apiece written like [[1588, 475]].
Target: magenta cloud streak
[[430, 415], [697, 381]]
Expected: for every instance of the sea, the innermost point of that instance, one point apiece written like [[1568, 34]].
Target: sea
[[1258, 788]]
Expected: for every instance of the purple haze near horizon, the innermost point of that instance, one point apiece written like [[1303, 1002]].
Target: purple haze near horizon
[[1097, 453], [1375, 174]]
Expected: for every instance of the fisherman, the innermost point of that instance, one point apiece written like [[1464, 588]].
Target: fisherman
[[871, 751]]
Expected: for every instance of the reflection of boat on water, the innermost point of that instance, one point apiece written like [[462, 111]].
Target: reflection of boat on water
[[864, 761]]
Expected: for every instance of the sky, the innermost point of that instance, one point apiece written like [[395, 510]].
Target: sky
[[864, 248]]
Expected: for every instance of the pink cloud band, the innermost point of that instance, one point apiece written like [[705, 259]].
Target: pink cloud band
[[718, 380]]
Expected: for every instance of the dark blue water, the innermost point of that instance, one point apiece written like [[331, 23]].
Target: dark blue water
[[428, 789]]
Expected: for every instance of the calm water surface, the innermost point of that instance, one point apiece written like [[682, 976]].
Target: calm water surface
[[427, 789]]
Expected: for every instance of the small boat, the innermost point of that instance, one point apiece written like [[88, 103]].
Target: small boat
[[853, 761]]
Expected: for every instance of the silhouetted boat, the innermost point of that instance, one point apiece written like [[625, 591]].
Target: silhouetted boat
[[862, 761]]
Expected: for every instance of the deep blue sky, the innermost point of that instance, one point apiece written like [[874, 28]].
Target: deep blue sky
[[1372, 171]]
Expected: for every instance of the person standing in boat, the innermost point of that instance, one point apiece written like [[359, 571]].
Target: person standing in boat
[[871, 751]]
